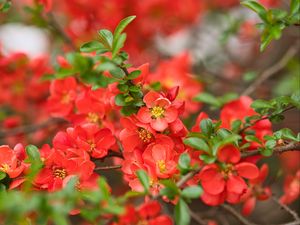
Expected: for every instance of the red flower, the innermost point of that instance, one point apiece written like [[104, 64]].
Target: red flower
[[256, 191], [224, 181], [63, 94], [160, 159], [135, 134], [9, 163], [159, 111], [291, 188]]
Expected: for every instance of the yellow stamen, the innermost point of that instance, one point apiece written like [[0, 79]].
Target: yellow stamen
[[60, 173], [161, 165], [144, 135], [157, 112]]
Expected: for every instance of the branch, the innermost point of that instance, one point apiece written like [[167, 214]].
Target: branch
[[236, 214], [115, 154], [197, 218], [56, 27], [288, 209], [108, 167], [292, 146], [265, 118], [31, 128], [291, 52], [187, 177]]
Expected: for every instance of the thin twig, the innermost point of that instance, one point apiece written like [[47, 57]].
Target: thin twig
[[56, 27], [197, 218], [292, 146], [236, 214], [31, 128], [187, 177], [108, 167], [291, 52], [287, 209], [264, 118], [115, 154]]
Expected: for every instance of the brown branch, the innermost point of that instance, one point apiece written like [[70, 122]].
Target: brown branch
[[31, 128], [292, 146], [187, 177], [291, 52], [287, 209], [59, 31], [197, 218], [115, 154], [108, 167], [236, 214], [265, 118]]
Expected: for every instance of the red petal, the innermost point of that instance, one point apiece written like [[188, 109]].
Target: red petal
[[236, 184], [159, 124], [215, 185], [247, 170], [229, 154], [144, 115], [171, 114], [248, 206]]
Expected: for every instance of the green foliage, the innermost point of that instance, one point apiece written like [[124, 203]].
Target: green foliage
[[215, 102], [192, 192], [144, 179], [181, 213], [5, 5], [184, 163], [274, 21]]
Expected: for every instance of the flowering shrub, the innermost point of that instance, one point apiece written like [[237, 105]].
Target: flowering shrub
[[147, 121]]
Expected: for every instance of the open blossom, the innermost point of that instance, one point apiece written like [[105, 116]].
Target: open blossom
[[88, 137], [9, 162], [256, 191], [62, 97], [161, 160], [159, 111], [225, 181], [148, 213]]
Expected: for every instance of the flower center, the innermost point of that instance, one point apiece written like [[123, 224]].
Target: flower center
[[60, 173], [142, 222], [92, 145], [66, 98], [4, 167], [157, 112], [229, 169], [144, 135], [161, 165], [92, 117]]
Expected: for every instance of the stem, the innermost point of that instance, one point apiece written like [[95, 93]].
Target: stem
[[197, 218], [291, 52], [292, 146], [31, 128], [287, 209], [108, 167], [187, 177], [236, 214], [59, 31], [115, 154]]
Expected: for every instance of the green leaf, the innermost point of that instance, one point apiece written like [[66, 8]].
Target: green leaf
[[120, 100], [207, 158], [93, 46], [270, 144], [252, 138], [184, 162], [117, 73], [4, 7], [134, 74], [256, 7], [33, 153], [192, 192], [106, 38], [144, 179], [266, 152], [122, 25], [118, 44], [208, 98], [2, 175], [294, 7], [206, 126], [196, 143], [182, 216]]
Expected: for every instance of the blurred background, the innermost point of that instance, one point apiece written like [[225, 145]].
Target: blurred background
[[215, 40]]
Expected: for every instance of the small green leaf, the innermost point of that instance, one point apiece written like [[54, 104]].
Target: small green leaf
[[208, 98], [184, 162], [118, 44], [294, 7], [196, 143], [207, 158], [33, 153], [93, 46], [182, 216], [106, 38], [206, 126], [120, 100], [2, 175], [256, 7], [134, 74], [122, 25], [144, 179], [117, 73], [192, 192]]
